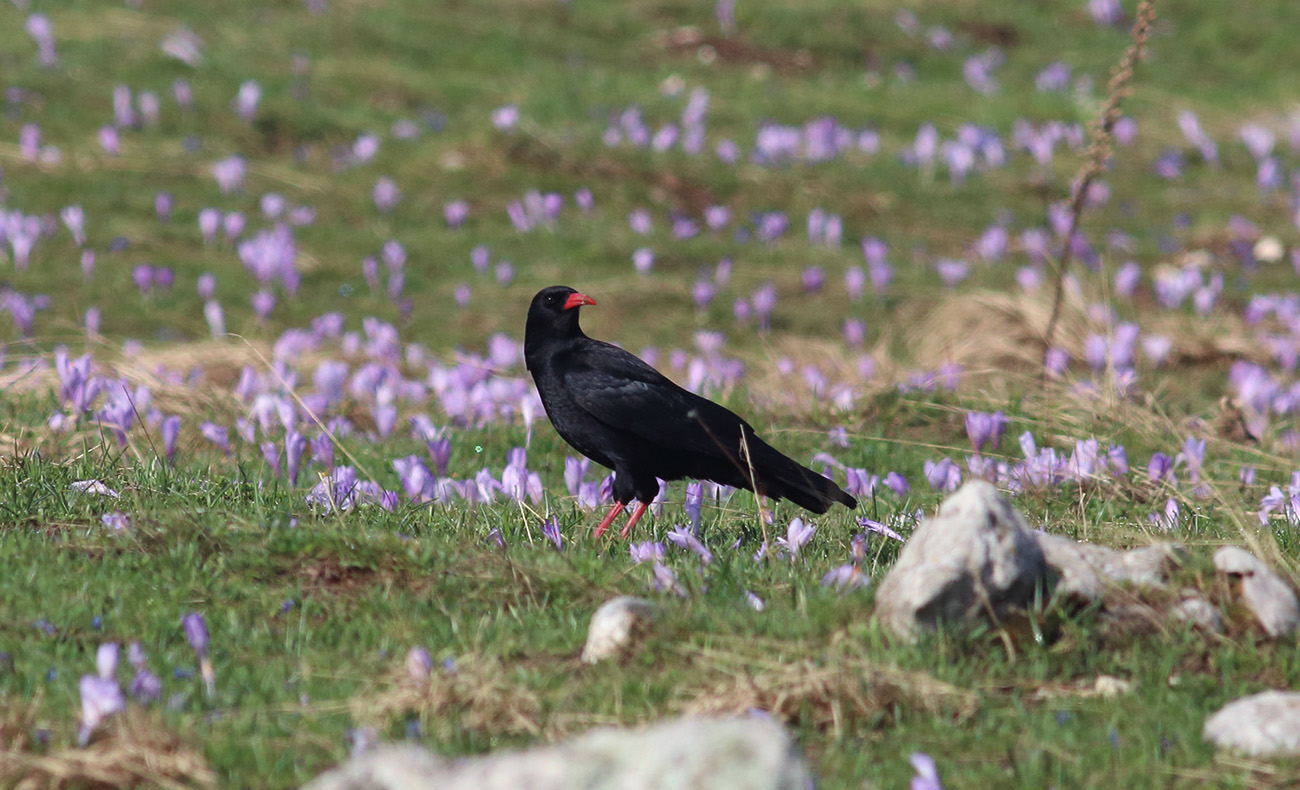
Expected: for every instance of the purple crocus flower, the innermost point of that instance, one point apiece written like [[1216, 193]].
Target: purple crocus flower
[[551, 531], [213, 314], [100, 698], [505, 117], [684, 538], [584, 200], [232, 224], [897, 483], [504, 273], [1167, 521], [207, 286], [639, 221], [171, 428], [74, 218], [109, 141], [42, 32], [145, 686], [944, 475], [455, 213], [271, 452], [295, 444], [142, 276], [846, 577], [797, 536], [106, 658], [814, 277], [951, 271], [263, 302], [1056, 361], [927, 775], [764, 302], [1160, 468], [878, 528], [643, 260], [694, 502], [87, 265], [196, 633], [217, 434], [209, 223], [666, 581], [365, 147], [162, 206], [386, 195], [182, 91], [229, 173], [246, 100], [647, 551], [983, 428]]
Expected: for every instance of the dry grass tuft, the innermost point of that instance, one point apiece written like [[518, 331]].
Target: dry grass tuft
[[843, 696], [134, 750], [215, 366], [990, 332], [477, 695]]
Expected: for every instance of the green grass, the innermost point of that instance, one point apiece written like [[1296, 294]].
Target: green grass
[[311, 615]]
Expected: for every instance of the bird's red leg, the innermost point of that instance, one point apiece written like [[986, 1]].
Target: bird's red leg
[[631, 522], [609, 518]]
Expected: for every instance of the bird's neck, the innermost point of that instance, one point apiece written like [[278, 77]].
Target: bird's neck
[[538, 334]]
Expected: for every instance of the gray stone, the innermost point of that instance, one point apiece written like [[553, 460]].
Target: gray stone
[[974, 557], [710, 754], [1198, 612], [1084, 570], [1268, 597], [615, 626], [1261, 725], [1075, 575]]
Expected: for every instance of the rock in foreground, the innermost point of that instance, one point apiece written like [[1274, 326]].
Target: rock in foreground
[[974, 556], [1268, 597], [615, 627], [708, 754], [1264, 724]]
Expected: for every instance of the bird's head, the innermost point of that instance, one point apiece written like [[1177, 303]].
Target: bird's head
[[555, 310]]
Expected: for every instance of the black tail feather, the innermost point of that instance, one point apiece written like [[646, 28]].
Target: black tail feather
[[778, 475]]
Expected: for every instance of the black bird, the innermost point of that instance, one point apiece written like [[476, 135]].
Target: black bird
[[621, 413]]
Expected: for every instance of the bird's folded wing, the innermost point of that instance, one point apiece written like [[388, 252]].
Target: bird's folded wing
[[630, 396]]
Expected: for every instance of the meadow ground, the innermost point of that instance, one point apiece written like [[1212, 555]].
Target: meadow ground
[[263, 273]]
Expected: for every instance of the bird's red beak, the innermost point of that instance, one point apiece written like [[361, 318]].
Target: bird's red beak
[[577, 300]]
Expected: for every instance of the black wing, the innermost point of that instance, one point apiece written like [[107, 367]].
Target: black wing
[[625, 393]]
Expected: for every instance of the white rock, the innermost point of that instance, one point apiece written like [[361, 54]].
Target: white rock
[[1200, 613], [1268, 597], [718, 754], [975, 555], [615, 626], [1109, 686], [1265, 724], [1085, 569]]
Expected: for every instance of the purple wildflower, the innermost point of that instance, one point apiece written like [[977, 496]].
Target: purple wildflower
[[927, 775], [100, 698], [196, 633], [846, 577], [983, 428], [796, 537], [684, 538], [551, 531], [878, 528]]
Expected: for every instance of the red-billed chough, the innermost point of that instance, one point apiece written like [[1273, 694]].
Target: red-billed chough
[[620, 412]]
